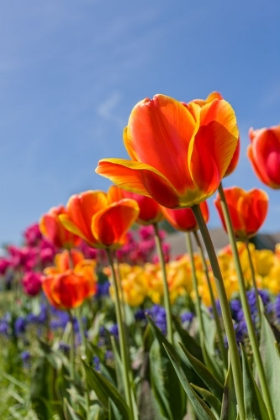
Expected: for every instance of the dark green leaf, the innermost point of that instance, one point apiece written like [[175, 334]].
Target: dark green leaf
[[104, 390], [165, 384], [229, 404], [209, 398], [202, 410], [69, 413], [271, 363], [254, 405], [210, 381]]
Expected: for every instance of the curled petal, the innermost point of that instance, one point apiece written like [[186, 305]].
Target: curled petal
[[111, 224]]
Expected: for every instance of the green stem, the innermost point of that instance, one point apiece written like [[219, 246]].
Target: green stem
[[195, 287], [233, 350], [72, 346], [245, 305], [83, 349], [125, 361], [253, 278], [213, 303], [165, 285], [119, 280]]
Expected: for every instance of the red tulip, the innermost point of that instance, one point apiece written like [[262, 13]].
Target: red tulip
[[264, 154], [150, 211], [98, 221], [179, 153], [248, 210], [52, 228], [184, 219]]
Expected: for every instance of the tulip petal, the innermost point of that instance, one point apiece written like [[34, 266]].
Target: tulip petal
[[81, 208], [265, 151], [158, 134], [139, 178], [111, 224], [71, 227]]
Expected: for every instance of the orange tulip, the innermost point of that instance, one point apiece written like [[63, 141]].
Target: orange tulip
[[52, 228], [264, 154], [99, 221], [184, 219], [150, 211], [235, 157], [67, 288], [179, 153], [248, 210]]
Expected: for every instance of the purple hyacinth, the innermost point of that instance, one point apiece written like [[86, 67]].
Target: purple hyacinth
[[187, 317], [20, 326]]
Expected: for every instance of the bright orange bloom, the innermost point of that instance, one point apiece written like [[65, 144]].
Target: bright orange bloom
[[179, 153], [65, 287], [96, 219], [184, 219], [235, 157], [150, 211], [248, 210], [264, 154], [52, 228]]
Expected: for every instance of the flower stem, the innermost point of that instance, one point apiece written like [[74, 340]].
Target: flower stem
[[83, 349], [165, 285], [72, 346], [125, 360], [253, 278], [213, 303], [233, 350], [195, 287], [245, 306]]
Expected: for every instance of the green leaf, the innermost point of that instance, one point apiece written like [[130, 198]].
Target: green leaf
[[69, 413], [104, 390], [202, 410], [114, 413], [210, 381], [209, 398], [271, 363], [188, 341], [167, 389], [229, 404], [212, 364], [254, 404]]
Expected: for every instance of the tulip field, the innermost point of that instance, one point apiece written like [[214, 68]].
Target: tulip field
[[98, 322]]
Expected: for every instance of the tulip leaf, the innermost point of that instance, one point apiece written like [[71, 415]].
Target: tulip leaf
[[114, 413], [104, 390], [210, 381], [254, 404], [209, 398], [188, 341], [167, 389], [201, 409], [229, 403], [271, 363], [69, 413]]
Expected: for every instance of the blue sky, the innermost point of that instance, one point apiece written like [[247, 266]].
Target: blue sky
[[71, 71]]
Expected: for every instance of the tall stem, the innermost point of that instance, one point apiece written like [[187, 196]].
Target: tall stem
[[245, 306], [213, 303], [83, 348], [167, 304], [125, 362], [233, 350], [253, 278], [195, 287], [72, 346]]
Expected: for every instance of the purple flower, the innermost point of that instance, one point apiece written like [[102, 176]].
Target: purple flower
[[187, 317], [114, 330], [20, 325]]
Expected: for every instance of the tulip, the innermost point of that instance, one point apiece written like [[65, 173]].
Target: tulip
[[184, 219], [179, 153], [32, 283], [248, 210], [235, 157], [264, 154], [67, 288], [150, 211], [52, 228], [99, 222]]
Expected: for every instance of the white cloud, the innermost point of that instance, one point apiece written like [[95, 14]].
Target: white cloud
[[107, 109]]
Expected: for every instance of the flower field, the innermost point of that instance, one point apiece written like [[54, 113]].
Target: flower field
[[97, 321]]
